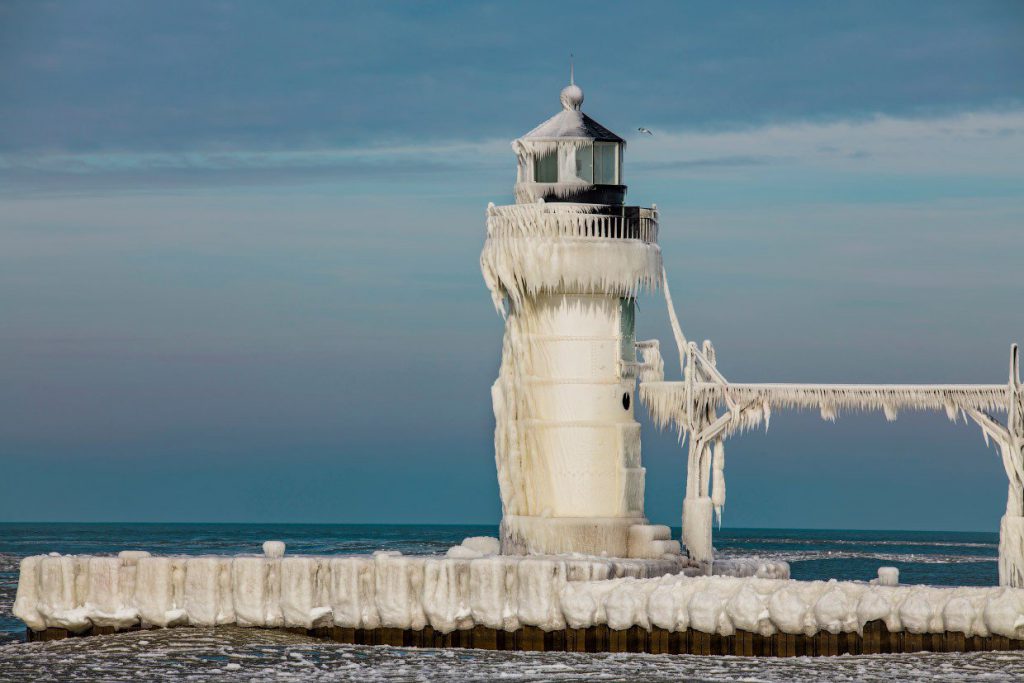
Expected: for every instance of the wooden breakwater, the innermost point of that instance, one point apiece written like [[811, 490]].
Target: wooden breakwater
[[876, 639]]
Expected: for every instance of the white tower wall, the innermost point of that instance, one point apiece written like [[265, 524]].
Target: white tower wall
[[581, 444], [579, 418], [567, 445]]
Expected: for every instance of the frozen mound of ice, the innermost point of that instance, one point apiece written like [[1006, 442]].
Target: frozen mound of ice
[[750, 566], [723, 605], [652, 541], [888, 576], [475, 546], [273, 548]]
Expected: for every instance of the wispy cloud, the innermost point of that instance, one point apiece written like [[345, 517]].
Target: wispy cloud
[[983, 143], [65, 172]]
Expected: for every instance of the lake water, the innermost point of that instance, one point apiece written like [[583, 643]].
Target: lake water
[[942, 558]]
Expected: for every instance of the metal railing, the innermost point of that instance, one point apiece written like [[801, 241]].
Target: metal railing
[[555, 220]]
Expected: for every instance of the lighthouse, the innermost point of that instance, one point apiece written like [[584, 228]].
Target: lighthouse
[[564, 265]]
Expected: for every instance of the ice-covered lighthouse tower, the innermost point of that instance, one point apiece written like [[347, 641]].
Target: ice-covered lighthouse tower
[[564, 265]]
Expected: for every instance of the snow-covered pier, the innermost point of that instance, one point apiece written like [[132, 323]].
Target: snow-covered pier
[[472, 585], [474, 597]]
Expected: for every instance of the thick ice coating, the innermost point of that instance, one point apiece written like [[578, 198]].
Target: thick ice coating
[[889, 576], [409, 592], [567, 447], [386, 589], [273, 548]]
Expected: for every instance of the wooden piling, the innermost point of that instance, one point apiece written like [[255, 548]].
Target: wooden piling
[[875, 639], [532, 639]]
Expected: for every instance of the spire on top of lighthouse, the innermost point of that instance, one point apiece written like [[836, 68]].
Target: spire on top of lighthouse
[[572, 94]]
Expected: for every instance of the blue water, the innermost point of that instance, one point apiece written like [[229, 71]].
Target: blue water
[[940, 558]]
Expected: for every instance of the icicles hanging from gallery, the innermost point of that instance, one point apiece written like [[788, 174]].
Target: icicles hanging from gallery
[[537, 247]]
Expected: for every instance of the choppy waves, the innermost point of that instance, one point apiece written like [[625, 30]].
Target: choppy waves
[[241, 654], [809, 555], [862, 542]]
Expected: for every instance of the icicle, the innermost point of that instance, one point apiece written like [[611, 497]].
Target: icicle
[[653, 366], [853, 397], [890, 412], [951, 412], [536, 247], [718, 481], [767, 410], [708, 349], [828, 412]]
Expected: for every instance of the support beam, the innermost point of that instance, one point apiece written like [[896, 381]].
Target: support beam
[[692, 405]]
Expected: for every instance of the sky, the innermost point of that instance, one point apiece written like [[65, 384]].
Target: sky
[[239, 245]]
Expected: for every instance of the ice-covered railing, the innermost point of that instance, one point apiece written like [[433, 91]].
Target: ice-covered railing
[[582, 248], [573, 220], [650, 367], [666, 400]]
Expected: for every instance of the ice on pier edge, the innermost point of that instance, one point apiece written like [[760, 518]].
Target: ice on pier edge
[[563, 266], [392, 590]]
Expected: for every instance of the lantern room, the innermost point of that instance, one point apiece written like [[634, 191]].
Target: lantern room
[[570, 158]]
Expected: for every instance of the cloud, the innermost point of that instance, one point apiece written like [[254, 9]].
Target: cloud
[[969, 143], [984, 144], [97, 172], [709, 162]]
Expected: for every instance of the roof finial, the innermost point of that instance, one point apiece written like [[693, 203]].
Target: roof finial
[[572, 94]]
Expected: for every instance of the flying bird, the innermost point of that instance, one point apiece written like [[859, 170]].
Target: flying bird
[[644, 131]]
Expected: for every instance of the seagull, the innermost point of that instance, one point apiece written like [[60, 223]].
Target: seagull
[[644, 131]]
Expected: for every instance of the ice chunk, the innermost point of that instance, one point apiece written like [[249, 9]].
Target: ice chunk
[[398, 590], [494, 592], [352, 592], [202, 590], [273, 548], [133, 555], [485, 545], [747, 610], [249, 585], [154, 591], [888, 576], [788, 610], [446, 593], [26, 600]]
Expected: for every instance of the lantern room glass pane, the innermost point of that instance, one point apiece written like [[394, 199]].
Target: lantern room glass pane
[[585, 163], [627, 329], [545, 168], [606, 163]]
